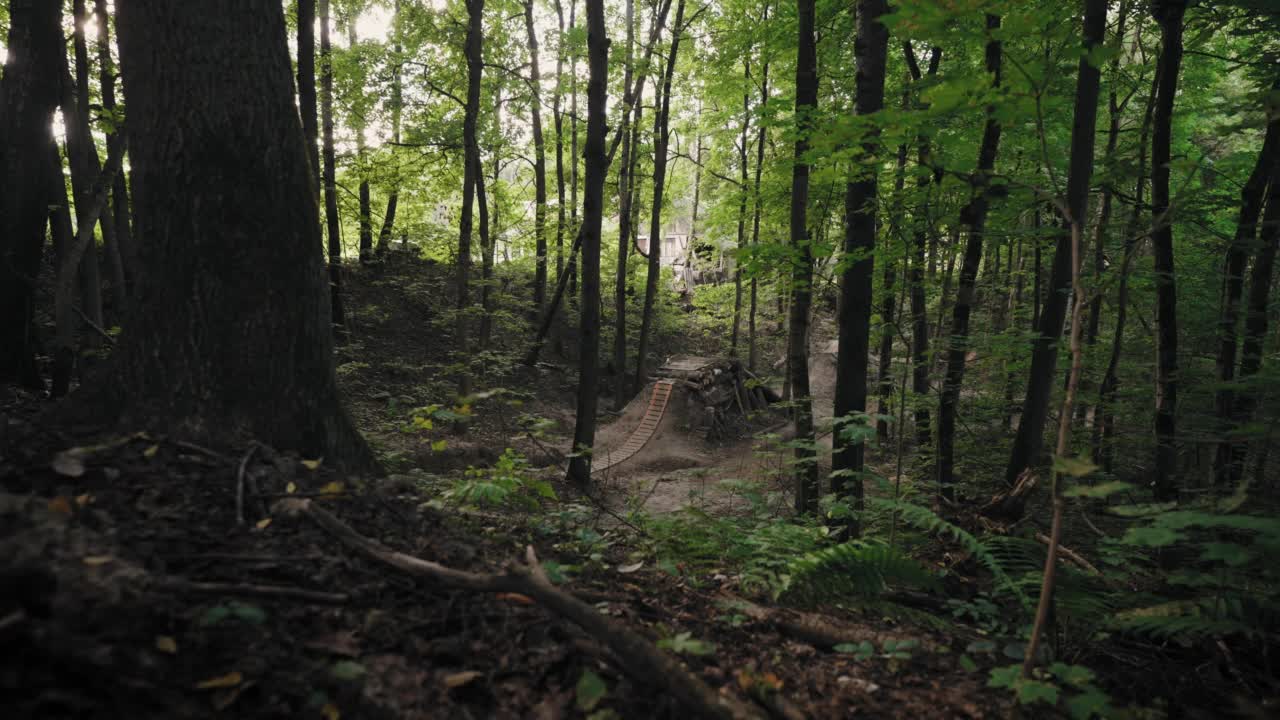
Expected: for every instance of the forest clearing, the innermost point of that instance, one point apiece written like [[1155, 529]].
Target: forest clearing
[[639, 359]]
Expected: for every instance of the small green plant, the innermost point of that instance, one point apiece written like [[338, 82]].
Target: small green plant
[[1060, 683], [509, 482], [855, 569]]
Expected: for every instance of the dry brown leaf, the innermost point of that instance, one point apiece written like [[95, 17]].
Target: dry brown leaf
[[95, 560], [263, 523], [332, 488], [291, 488], [166, 644], [457, 680], [151, 451], [516, 598], [231, 679], [60, 505], [69, 463], [330, 712], [223, 700]]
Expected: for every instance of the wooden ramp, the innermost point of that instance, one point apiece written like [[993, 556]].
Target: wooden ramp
[[644, 431]]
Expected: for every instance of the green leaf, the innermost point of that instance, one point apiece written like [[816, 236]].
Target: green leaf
[[1031, 691], [1230, 554], [967, 664], [439, 445], [347, 670], [590, 690], [1090, 703], [1077, 675], [1151, 536], [685, 644], [1101, 490], [1073, 466]]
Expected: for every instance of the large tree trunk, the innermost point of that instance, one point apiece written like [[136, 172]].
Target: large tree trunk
[[973, 215], [625, 196], [1029, 441], [1169, 14], [357, 126], [916, 273], [661, 133], [858, 261], [1251, 197], [332, 228], [806, 465], [539, 164], [593, 212], [28, 96], [223, 195], [397, 104], [470, 177]]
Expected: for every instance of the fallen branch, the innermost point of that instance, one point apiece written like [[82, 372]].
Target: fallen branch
[[271, 592], [821, 631], [638, 656], [1074, 557]]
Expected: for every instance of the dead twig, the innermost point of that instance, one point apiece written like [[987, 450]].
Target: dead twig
[[272, 592], [638, 656], [1074, 557], [240, 483]]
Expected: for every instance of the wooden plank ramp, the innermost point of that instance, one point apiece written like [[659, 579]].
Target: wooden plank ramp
[[644, 431]]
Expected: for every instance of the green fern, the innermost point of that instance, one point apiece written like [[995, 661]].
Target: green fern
[[854, 570], [925, 519]]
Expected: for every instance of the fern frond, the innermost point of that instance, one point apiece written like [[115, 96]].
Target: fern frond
[[854, 569], [925, 519]]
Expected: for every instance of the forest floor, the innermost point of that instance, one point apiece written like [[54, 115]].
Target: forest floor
[[145, 576]]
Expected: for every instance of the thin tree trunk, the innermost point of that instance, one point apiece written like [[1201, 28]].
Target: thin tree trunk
[[1169, 15], [366, 214], [1029, 440], [742, 206], [573, 148], [486, 261], [121, 253], [661, 132], [307, 86], [888, 300], [1255, 322], [973, 215], [539, 163], [625, 197], [332, 228], [28, 97], [597, 167], [1251, 198], [471, 177], [558, 117], [919, 316], [860, 199], [1104, 416], [397, 104], [757, 203], [806, 461]]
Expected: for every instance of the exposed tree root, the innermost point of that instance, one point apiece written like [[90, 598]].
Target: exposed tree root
[[638, 656]]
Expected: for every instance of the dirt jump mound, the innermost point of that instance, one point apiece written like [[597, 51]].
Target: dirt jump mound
[[693, 401]]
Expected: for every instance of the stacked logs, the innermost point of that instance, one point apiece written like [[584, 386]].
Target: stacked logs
[[723, 396]]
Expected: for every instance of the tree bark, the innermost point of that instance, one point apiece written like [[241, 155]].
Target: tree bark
[[307, 86], [357, 123], [858, 262], [1029, 441], [757, 206], [1251, 198], [742, 206], [223, 195], [28, 97], [558, 115], [661, 132], [333, 229], [1104, 423], [974, 216], [573, 148], [1256, 318], [593, 213], [625, 195], [397, 106], [1168, 13], [806, 465], [539, 164], [120, 248], [471, 175], [919, 312]]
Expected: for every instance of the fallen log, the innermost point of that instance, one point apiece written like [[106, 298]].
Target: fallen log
[[638, 656]]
